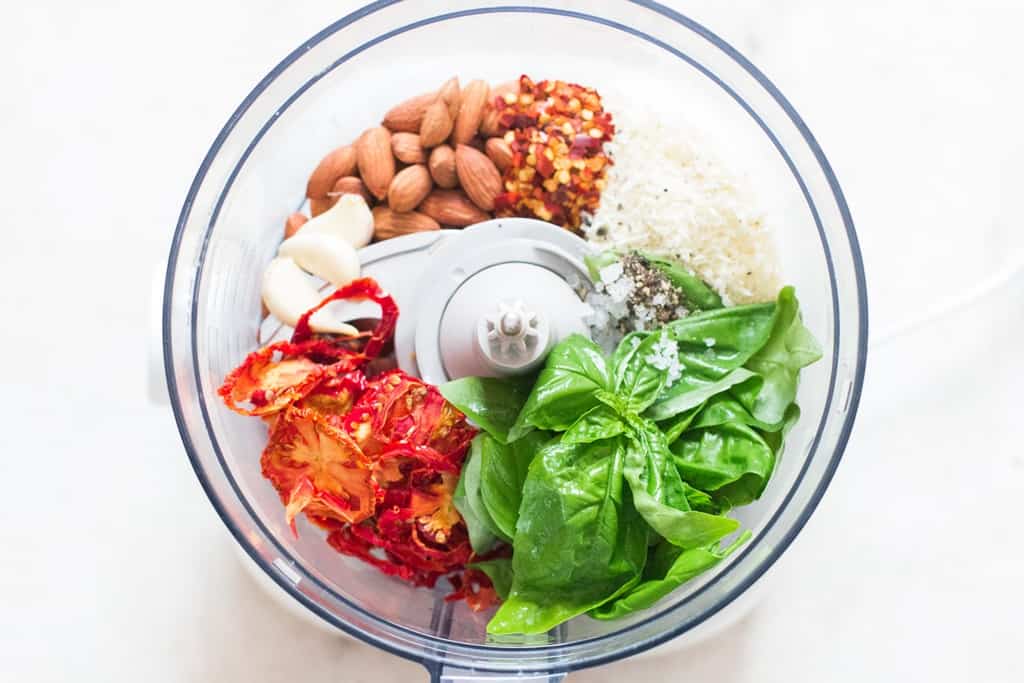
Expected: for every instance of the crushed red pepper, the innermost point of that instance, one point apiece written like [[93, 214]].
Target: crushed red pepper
[[372, 460], [557, 132]]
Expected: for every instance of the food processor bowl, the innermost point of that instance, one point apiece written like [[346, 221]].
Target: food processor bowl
[[341, 81]]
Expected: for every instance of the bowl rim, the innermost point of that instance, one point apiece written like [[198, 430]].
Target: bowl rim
[[437, 654]]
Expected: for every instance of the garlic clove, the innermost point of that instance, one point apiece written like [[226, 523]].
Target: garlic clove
[[288, 293], [349, 218], [321, 321], [325, 255]]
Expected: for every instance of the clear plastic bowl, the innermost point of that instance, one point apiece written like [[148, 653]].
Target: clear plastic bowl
[[340, 82]]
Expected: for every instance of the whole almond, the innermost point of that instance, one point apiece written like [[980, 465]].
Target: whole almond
[[318, 206], [407, 148], [375, 160], [437, 124], [339, 162], [350, 185], [442, 167], [478, 176], [452, 207], [407, 116], [499, 152], [388, 223], [409, 188], [471, 112], [452, 96], [293, 223]]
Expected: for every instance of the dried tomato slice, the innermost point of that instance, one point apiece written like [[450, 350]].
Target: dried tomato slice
[[280, 374], [363, 289], [372, 461], [316, 467]]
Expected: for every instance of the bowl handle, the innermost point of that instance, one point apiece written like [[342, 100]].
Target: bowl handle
[[156, 381], [448, 674]]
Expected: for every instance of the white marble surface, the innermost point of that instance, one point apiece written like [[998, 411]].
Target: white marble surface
[[114, 567]]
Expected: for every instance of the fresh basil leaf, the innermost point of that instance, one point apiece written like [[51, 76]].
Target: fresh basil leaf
[[701, 501], [694, 393], [673, 427], [595, 262], [731, 462], [660, 498], [777, 364], [696, 292], [574, 371], [503, 469], [601, 422], [579, 541], [491, 403], [638, 382], [712, 346], [499, 571], [725, 409], [468, 500], [626, 348], [668, 567]]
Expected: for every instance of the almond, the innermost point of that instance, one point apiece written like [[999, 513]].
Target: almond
[[388, 223], [437, 124], [376, 163], [408, 149], [452, 96], [499, 152], [293, 223], [408, 115], [442, 167], [478, 176], [471, 112], [350, 185], [339, 162], [318, 206], [409, 188], [452, 207]]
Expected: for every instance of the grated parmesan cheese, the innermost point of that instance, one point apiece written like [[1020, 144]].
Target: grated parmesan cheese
[[667, 195]]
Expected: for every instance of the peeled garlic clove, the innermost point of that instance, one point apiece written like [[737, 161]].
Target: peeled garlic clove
[[325, 255], [321, 321], [288, 293], [350, 219]]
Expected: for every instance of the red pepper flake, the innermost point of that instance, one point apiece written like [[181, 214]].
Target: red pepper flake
[[557, 132]]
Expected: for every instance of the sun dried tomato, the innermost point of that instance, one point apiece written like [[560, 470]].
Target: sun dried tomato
[[372, 461], [318, 468]]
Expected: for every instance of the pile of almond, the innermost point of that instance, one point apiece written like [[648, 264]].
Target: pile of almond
[[436, 160]]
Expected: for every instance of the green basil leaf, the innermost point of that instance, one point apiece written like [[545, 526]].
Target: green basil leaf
[[777, 364], [660, 498], [693, 393], [468, 500], [595, 262], [491, 403], [712, 346], [732, 462], [668, 567], [503, 469], [601, 422], [499, 571], [674, 427], [638, 382], [574, 371], [696, 292], [579, 541]]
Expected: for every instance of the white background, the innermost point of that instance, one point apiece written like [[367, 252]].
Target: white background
[[113, 565]]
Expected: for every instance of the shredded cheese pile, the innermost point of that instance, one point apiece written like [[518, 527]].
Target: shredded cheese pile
[[667, 195]]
